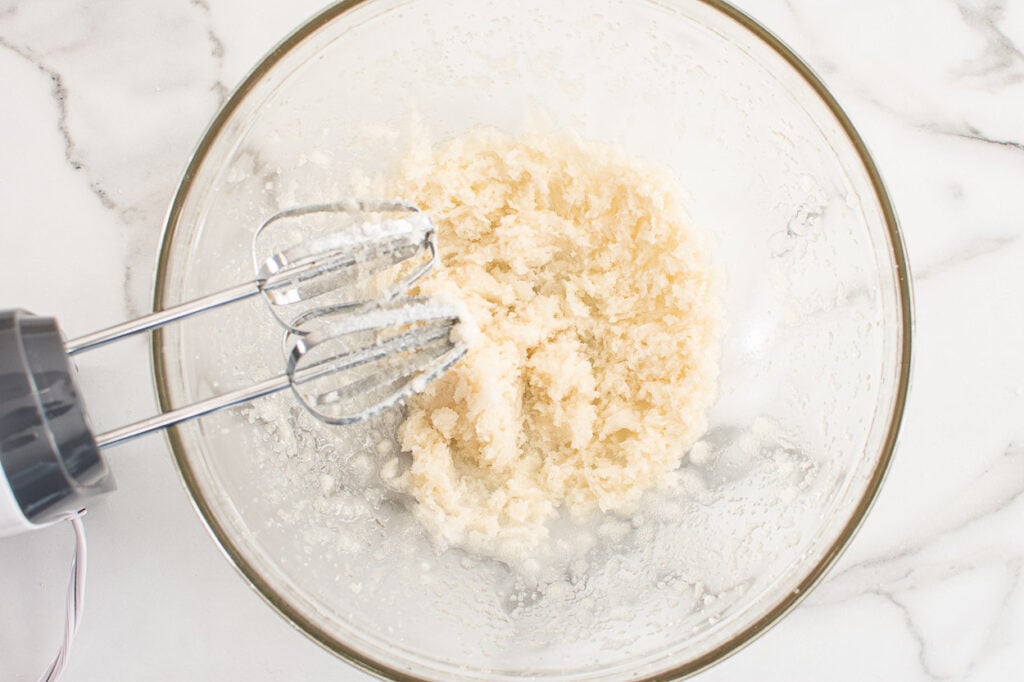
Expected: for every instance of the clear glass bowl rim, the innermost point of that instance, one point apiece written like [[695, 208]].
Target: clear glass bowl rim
[[378, 668]]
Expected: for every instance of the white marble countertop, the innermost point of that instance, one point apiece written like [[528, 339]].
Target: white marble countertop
[[103, 102]]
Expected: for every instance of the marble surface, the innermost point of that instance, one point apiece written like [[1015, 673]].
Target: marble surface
[[102, 103]]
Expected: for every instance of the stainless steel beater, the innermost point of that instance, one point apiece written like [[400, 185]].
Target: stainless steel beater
[[333, 276]]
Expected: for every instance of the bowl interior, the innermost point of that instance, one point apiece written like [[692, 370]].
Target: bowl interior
[[814, 360]]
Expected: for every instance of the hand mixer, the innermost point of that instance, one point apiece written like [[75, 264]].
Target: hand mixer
[[346, 359]]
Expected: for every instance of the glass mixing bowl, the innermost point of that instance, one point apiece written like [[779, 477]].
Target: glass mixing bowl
[[815, 360]]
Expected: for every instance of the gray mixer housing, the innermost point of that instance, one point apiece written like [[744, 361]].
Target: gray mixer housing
[[49, 461]]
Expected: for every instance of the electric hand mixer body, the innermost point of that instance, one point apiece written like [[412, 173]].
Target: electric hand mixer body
[[363, 351]]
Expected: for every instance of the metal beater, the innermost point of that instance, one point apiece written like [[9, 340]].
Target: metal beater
[[334, 276]]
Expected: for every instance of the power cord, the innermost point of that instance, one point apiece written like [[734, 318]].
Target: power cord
[[75, 601]]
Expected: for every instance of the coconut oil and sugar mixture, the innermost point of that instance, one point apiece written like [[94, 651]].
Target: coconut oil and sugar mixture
[[596, 353]]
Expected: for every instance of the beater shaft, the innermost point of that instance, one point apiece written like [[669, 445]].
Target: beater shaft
[[413, 338], [197, 409], [159, 319]]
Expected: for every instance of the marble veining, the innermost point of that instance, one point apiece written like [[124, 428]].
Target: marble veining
[[967, 252], [969, 132], [103, 103], [60, 94], [216, 51], [1001, 61]]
